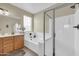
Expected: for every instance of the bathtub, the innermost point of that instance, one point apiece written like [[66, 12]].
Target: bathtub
[[37, 44]]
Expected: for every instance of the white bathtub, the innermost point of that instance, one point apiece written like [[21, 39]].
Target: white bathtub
[[36, 44]]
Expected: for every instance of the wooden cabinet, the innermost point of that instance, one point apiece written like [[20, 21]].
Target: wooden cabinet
[[9, 44], [1, 46], [19, 42]]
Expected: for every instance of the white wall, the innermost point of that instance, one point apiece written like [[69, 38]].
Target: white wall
[[39, 22]]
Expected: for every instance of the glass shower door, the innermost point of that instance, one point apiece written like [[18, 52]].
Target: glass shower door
[[64, 40]]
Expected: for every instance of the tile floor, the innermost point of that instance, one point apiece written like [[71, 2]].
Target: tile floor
[[21, 52], [29, 52]]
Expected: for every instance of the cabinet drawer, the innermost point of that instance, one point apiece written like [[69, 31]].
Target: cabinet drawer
[[7, 38]]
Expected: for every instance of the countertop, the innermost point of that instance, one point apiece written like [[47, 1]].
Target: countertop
[[8, 35]]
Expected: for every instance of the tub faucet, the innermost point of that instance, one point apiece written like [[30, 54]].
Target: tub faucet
[[34, 36]]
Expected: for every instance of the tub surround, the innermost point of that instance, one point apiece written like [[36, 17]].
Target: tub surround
[[36, 44], [10, 43]]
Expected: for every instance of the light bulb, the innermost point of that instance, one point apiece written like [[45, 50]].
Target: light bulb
[[6, 13], [1, 12]]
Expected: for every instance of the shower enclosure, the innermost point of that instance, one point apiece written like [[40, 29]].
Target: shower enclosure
[[61, 27]]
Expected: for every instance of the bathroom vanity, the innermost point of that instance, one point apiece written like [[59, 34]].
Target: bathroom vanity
[[10, 43]]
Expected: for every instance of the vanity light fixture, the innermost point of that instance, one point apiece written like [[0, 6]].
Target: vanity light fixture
[[4, 12]]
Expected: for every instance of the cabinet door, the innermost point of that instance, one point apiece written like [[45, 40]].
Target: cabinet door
[[1, 46], [7, 44], [19, 42]]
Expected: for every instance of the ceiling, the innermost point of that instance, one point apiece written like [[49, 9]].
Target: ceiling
[[33, 7]]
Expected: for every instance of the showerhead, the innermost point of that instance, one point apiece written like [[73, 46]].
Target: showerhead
[[73, 7]]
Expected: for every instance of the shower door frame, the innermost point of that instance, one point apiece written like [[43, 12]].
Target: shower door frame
[[53, 17]]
